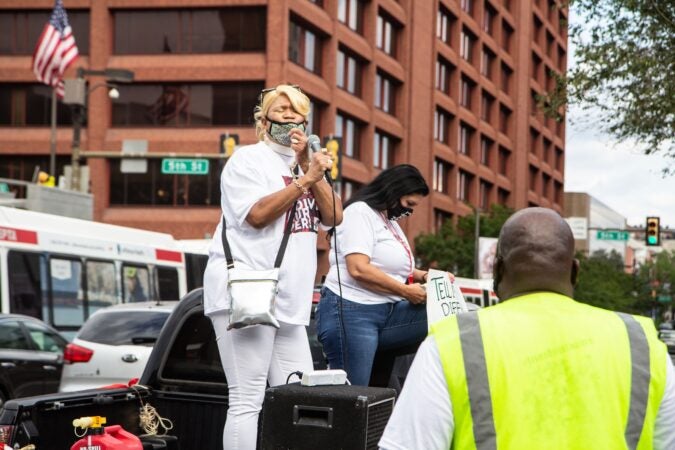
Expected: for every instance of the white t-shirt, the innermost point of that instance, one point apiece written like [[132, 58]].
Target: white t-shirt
[[366, 231], [253, 172], [423, 418]]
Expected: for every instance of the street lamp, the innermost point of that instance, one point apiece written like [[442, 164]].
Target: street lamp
[[76, 95]]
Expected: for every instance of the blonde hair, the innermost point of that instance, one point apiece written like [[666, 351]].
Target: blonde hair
[[299, 101]]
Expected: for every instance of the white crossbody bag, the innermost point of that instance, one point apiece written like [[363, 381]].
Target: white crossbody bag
[[253, 292]]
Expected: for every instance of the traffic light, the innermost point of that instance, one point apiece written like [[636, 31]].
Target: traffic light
[[653, 232], [333, 146], [228, 142]]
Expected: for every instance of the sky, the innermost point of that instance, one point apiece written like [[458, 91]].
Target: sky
[[618, 175]]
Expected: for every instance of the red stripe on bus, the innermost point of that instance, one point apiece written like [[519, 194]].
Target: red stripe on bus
[[168, 255], [466, 290], [16, 235]]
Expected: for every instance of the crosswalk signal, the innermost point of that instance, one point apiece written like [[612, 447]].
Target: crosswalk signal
[[228, 143], [653, 232], [333, 147]]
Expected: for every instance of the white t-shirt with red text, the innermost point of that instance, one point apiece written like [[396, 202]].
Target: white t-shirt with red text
[[253, 172]]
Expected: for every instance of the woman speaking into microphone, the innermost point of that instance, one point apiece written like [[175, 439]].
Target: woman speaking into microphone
[[261, 185], [382, 302]]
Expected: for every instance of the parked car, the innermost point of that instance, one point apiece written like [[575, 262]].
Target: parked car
[[31, 357], [113, 345], [668, 337]]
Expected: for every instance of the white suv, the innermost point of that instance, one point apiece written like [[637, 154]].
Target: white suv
[[113, 345]]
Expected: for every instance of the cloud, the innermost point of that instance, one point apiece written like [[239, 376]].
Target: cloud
[[619, 175]]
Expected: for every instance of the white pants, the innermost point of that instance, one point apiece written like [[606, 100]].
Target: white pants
[[252, 356]]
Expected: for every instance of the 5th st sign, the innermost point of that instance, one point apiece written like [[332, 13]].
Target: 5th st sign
[[180, 166], [612, 235]]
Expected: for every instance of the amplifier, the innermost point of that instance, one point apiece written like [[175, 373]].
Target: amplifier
[[326, 417]]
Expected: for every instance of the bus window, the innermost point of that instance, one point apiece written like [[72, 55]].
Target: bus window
[[26, 295], [136, 284], [167, 283], [195, 264], [101, 286], [67, 293]]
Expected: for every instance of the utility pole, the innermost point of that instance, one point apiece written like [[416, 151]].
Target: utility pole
[[476, 257]]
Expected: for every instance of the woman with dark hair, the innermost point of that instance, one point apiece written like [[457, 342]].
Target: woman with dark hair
[[372, 297]]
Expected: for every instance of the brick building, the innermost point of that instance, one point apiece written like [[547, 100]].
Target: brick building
[[446, 85]]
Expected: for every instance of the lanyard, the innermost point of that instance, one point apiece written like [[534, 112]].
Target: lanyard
[[400, 240]]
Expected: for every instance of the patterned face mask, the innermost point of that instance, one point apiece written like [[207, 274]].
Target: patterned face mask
[[278, 131], [398, 212]]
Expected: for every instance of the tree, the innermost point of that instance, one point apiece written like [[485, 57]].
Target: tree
[[604, 283], [656, 279], [625, 60], [452, 248]]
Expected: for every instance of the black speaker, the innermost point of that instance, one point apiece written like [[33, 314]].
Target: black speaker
[[326, 417]]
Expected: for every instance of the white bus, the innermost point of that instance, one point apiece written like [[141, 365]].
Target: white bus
[[61, 269]]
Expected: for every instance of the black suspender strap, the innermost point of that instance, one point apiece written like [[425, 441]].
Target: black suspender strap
[[282, 248]]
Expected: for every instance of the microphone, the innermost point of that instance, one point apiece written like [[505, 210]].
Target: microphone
[[313, 146]]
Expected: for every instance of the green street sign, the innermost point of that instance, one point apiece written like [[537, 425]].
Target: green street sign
[[664, 298], [181, 166], [612, 235]]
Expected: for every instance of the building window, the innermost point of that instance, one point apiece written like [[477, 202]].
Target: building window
[[385, 93], [546, 185], [547, 151], [537, 27], [503, 196], [467, 6], [440, 176], [314, 119], [22, 29], [466, 92], [534, 141], [386, 35], [489, 14], [559, 159], [465, 137], [383, 150], [486, 104], [347, 188], [506, 78], [485, 189], [350, 132], [557, 192], [317, 2], [158, 189], [444, 24], [487, 63], [504, 119], [562, 59], [441, 125], [443, 73], [504, 160], [534, 174], [185, 105], [536, 67], [197, 30], [466, 42], [485, 150], [507, 36], [440, 218], [464, 181], [24, 167], [29, 105], [304, 48], [350, 13], [348, 72]]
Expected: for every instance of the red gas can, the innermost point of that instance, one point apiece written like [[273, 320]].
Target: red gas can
[[108, 438]]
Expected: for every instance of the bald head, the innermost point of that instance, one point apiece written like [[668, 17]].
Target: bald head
[[535, 253]]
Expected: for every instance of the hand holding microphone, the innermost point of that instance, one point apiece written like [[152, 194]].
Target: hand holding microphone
[[319, 160]]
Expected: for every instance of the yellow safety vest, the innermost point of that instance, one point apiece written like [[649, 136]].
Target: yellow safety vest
[[542, 371]]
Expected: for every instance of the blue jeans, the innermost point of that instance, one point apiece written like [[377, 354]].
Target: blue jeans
[[367, 328]]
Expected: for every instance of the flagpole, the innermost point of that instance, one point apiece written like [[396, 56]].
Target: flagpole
[[52, 137]]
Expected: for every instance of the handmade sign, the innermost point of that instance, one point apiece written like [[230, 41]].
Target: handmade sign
[[443, 296]]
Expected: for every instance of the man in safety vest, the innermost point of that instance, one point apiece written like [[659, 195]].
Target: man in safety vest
[[539, 370]]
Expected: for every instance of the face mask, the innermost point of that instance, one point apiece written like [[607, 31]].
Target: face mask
[[278, 131], [398, 212]]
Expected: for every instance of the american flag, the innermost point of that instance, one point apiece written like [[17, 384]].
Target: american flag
[[56, 49]]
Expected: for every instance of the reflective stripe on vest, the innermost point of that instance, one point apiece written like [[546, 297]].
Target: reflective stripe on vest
[[479, 390], [640, 376]]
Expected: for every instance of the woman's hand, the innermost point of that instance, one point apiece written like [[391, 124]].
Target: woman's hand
[[299, 145], [415, 294], [317, 167]]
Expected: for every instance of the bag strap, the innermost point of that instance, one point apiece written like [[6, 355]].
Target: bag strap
[[282, 248]]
